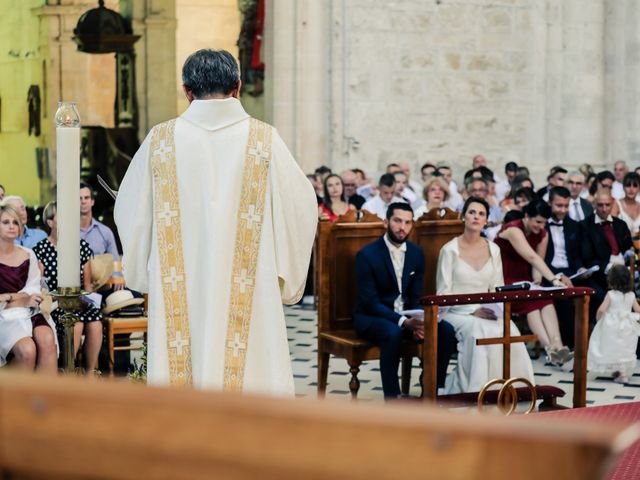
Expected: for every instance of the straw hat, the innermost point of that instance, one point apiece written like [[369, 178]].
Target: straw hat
[[101, 270], [120, 299]]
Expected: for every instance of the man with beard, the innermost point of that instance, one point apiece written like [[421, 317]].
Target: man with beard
[[390, 279]]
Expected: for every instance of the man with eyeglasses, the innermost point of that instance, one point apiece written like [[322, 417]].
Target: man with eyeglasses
[[350, 186], [479, 187], [579, 208]]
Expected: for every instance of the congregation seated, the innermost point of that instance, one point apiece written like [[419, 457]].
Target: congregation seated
[[628, 205], [349, 183], [386, 196], [334, 202], [390, 279], [563, 257], [99, 237], [364, 187], [427, 170], [90, 324], [478, 186], [412, 183], [435, 194], [455, 199], [620, 169], [472, 264], [27, 338], [504, 187], [519, 182], [403, 191], [28, 237], [603, 182], [521, 199], [556, 178], [523, 246], [579, 207], [605, 238]]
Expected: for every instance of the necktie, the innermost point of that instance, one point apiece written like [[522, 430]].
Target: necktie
[[577, 211], [607, 229], [555, 224]]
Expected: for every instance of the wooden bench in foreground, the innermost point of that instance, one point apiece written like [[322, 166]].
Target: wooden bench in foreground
[[72, 428]]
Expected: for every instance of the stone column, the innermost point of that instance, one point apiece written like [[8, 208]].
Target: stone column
[[155, 20], [296, 77], [622, 89]]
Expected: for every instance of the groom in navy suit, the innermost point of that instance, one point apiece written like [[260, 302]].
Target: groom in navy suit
[[390, 274]]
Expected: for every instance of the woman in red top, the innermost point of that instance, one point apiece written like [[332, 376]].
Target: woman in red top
[[523, 244], [334, 202]]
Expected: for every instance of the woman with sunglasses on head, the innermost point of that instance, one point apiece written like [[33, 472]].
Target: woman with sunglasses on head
[[27, 338]]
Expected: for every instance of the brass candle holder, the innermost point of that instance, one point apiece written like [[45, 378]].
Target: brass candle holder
[[69, 301]]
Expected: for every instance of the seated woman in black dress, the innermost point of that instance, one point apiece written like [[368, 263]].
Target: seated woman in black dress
[[90, 324], [27, 340]]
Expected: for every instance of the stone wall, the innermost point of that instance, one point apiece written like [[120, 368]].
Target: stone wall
[[440, 81], [539, 82]]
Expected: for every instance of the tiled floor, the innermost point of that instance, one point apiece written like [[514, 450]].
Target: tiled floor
[[302, 330]]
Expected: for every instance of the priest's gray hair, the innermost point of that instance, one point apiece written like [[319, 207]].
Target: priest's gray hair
[[210, 72]]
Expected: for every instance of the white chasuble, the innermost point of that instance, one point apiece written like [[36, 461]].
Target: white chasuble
[[217, 222]]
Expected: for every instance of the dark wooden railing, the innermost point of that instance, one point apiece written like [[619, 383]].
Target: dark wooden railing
[[581, 299]]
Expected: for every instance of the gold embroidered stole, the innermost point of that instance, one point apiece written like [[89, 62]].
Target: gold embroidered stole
[[245, 257], [167, 220]]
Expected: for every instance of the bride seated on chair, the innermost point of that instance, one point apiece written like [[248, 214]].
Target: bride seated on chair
[[472, 264]]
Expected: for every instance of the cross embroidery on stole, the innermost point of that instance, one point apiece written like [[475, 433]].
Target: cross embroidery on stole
[[245, 258], [166, 203]]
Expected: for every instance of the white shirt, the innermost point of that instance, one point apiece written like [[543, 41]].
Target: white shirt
[[598, 220], [560, 259], [397, 259], [378, 207], [502, 189], [617, 190], [575, 210]]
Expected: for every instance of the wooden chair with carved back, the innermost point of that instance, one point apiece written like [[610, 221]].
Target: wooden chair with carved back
[[337, 244], [431, 231]]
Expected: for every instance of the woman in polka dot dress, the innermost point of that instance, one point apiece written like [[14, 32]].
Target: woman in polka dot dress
[[90, 324]]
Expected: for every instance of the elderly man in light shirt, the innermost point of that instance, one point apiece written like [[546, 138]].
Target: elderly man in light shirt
[[99, 237]]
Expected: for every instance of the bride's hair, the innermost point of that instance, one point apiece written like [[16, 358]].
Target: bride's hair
[[479, 200]]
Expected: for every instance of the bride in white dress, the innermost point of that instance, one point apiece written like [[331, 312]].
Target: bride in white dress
[[471, 264]]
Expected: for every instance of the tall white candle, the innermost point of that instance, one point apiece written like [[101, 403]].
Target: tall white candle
[[68, 195]]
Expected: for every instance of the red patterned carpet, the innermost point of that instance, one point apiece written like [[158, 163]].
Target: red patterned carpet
[[628, 466]]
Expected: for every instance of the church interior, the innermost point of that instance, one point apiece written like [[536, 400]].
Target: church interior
[[351, 86]]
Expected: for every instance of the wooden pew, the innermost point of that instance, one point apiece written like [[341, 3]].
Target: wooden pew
[[335, 252], [72, 428], [431, 231], [334, 255]]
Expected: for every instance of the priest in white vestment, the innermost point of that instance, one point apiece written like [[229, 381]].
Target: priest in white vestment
[[217, 223]]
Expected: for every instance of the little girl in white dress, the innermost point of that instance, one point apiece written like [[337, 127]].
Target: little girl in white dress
[[612, 346]]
